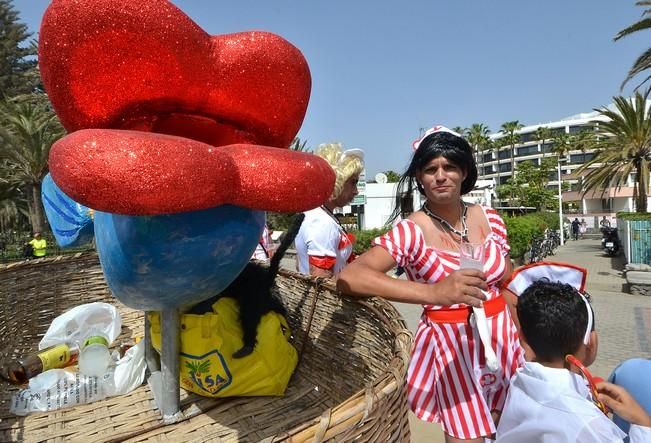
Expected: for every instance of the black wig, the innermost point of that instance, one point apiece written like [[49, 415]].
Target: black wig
[[438, 144]]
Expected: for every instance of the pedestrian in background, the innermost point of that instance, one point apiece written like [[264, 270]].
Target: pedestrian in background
[[323, 246], [38, 245], [575, 228], [583, 228]]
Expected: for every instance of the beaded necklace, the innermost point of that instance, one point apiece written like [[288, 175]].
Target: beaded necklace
[[464, 211]]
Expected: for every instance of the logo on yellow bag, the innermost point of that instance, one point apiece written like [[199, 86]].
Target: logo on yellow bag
[[207, 372]]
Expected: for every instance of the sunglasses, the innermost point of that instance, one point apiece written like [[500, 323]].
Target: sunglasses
[[590, 379]]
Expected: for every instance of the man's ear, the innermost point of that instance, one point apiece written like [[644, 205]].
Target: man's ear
[[591, 349]]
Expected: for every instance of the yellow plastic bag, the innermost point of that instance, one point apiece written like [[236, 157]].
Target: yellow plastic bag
[[208, 342]]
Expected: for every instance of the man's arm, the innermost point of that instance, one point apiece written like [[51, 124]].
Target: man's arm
[[319, 272]]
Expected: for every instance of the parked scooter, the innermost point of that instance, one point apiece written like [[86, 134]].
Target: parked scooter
[[610, 241]]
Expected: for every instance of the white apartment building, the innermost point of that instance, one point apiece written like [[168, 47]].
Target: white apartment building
[[497, 166]]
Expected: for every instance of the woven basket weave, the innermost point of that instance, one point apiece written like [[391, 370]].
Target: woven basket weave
[[349, 384]]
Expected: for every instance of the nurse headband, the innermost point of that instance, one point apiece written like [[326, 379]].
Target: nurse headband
[[588, 329], [437, 128]]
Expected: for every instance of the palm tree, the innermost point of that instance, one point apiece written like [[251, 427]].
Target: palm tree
[[543, 134], [459, 130], [584, 140], [14, 209], [299, 145], [511, 139], [27, 131], [624, 147], [563, 144], [476, 135], [644, 61]]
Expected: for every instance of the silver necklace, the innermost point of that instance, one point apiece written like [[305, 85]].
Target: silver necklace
[[464, 212]]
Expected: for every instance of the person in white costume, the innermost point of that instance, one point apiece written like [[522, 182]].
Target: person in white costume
[[554, 398], [323, 247]]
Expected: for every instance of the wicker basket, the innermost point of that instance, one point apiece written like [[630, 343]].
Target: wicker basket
[[349, 384]]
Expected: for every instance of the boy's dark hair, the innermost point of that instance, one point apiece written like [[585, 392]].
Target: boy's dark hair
[[438, 144], [553, 319]]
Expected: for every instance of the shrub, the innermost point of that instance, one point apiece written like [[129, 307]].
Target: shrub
[[523, 229], [365, 237], [634, 215]]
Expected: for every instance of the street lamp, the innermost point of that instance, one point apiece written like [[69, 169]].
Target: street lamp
[[560, 200]]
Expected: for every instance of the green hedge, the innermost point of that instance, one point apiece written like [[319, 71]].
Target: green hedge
[[522, 229], [634, 215], [364, 239]]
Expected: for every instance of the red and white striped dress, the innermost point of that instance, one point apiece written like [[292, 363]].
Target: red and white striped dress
[[448, 381]]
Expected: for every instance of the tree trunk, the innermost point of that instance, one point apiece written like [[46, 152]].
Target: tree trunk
[[511, 149], [38, 220], [643, 185]]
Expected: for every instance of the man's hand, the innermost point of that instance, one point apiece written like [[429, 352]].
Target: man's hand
[[462, 286]]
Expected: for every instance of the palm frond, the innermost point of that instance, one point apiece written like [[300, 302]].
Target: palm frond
[[623, 147], [642, 63], [643, 24]]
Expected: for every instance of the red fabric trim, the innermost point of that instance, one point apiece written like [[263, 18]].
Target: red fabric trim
[[322, 262], [492, 307]]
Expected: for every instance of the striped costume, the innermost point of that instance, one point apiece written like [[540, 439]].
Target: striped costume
[[448, 381]]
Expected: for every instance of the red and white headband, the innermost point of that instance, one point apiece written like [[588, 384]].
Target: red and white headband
[[432, 130]]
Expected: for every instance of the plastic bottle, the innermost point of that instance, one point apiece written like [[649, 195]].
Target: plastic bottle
[[59, 356], [94, 355]]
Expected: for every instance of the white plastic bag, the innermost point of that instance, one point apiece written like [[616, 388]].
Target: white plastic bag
[[63, 388], [73, 326]]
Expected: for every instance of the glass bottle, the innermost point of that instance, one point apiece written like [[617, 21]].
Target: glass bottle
[[59, 356]]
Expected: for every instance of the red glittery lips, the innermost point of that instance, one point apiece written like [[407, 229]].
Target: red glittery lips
[[172, 119]]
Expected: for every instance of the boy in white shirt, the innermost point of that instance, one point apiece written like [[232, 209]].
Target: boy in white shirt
[[548, 400]]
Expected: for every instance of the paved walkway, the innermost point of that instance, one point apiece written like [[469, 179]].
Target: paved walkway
[[623, 321]]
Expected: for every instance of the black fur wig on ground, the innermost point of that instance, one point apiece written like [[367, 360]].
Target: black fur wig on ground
[[252, 289]]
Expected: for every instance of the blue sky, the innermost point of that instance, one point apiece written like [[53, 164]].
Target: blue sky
[[383, 69]]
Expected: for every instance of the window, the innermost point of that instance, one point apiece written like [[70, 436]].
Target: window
[[505, 154], [632, 178], [581, 158], [579, 128], [607, 204], [503, 180], [505, 167], [557, 131], [529, 136], [488, 156], [489, 170], [535, 161], [547, 148], [527, 150]]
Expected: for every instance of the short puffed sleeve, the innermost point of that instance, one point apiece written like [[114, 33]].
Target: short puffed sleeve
[[405, 242], [498, 227]]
